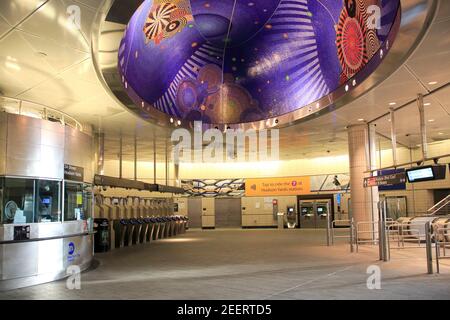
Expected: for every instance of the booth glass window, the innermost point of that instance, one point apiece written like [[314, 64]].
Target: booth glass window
[[77, 201], [48, 208], [18, 201]]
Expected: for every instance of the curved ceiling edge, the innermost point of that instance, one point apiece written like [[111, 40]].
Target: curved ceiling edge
[[419, 13]]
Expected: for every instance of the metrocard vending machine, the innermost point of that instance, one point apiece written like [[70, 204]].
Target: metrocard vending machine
[[291, 217]]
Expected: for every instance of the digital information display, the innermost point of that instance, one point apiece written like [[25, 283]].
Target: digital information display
[[420, 174]]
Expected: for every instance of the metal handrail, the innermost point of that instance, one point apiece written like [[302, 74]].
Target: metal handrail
[[440, 237], [39, 109], [441, 204], [373, 225]]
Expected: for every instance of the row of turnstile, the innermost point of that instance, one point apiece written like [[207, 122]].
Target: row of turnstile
[[134, 220]]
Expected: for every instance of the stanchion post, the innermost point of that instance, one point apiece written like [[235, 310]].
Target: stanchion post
[[380, 237], [352, 234], [386, 253], [328, 224], [429, 251]]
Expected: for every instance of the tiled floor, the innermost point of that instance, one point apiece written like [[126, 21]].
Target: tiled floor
[[248, 264]]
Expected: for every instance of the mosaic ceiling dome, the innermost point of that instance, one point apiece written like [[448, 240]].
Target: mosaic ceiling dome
[[236, 61]]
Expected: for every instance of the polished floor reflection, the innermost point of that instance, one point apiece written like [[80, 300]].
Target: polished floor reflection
[[249, 264]]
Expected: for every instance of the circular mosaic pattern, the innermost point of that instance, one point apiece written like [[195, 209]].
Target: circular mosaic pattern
[[229, 62]]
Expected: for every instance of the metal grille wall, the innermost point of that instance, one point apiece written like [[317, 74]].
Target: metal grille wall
[[228, 213]]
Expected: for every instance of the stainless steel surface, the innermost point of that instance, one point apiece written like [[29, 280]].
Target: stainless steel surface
[[34, 148], [40, 148], [79, 151], [154, 160], [3, 130], [428, 248], [228, 212], [101, 154], [120, 156], [423, 126], [31, 263], [393, 138], [416, 14], [135, 158], [195, 212]]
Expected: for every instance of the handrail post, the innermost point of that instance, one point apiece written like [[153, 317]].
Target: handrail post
[[352, 234], [428, 250], [328, 224]]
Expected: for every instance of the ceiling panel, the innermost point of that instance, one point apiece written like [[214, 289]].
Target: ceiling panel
[[20, 68], [53, 22], [431, 62], [15, 11], [59, 57]]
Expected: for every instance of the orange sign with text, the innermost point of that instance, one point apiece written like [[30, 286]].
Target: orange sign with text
[[277, 186]]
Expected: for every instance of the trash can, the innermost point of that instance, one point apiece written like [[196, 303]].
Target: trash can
[[101, 238]]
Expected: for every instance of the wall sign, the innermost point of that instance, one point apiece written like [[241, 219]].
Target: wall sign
[[73, 173], [385, 180], [277, 187], [391, 187]]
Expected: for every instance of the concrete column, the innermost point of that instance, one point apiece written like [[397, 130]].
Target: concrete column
[[364, 201]]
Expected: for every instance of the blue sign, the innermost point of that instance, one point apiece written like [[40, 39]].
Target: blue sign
[[400, 186], [338, 199], [71, 248]]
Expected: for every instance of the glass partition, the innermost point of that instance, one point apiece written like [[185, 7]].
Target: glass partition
[[77, 201], [48, 194], [18, 201]]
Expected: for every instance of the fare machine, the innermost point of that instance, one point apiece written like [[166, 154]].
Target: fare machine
[[314, 213], [291, 217]]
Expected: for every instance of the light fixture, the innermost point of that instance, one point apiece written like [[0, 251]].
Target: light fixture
[[171, 120], [360, 120], [392, 103], [441, 133], [432, 83], [427, 104], [179, 122], [431, 120]]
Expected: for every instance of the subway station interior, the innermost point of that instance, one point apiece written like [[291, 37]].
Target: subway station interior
[[224, 149]]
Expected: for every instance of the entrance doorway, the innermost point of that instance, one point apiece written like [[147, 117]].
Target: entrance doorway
[[313, 212]]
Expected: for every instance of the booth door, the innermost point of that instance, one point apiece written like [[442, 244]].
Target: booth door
[[195, 212]]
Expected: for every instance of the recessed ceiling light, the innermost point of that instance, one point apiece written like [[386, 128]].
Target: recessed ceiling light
[[432, 83], [361, 120], [392, 103], [441, 133], [179, 122], [427, 104], [431, 120], [171, 120]]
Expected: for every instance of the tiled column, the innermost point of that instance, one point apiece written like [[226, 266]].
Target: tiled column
[[364, 201]]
